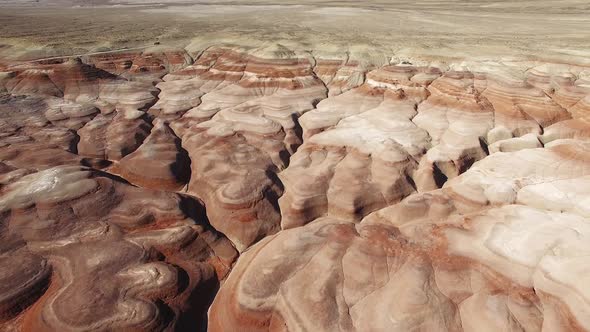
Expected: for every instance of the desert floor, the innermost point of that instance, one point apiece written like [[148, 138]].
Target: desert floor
[[545, 30]]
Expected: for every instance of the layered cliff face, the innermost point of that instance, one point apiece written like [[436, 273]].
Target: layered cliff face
[[342, 194]]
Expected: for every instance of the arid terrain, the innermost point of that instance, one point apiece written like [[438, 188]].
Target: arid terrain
[[295, 165]]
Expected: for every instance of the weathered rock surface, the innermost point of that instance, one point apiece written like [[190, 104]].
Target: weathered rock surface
[[240, 131], [363, 193], [360, 149], [92, 252], [159, 163], [500, 247]]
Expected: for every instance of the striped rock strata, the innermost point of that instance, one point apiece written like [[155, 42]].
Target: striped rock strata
[[501, 247], [92, 252], [239, 126], [363, 195]]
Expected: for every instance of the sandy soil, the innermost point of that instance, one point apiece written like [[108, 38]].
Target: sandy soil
[[456, 29]]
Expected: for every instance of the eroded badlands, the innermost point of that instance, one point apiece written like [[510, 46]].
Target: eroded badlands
[[273, 189]]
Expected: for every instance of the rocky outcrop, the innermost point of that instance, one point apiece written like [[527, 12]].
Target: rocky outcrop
[[497, 248], [113, 136], [159, 163], [242, 132], [363, 193], [96, 253], [150, 63], [360, 150]]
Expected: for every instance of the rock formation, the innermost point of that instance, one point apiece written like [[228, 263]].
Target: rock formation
[[360, 149], [500, 247], [240, 131], [159, 163], [87, 251], [360, 193]]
